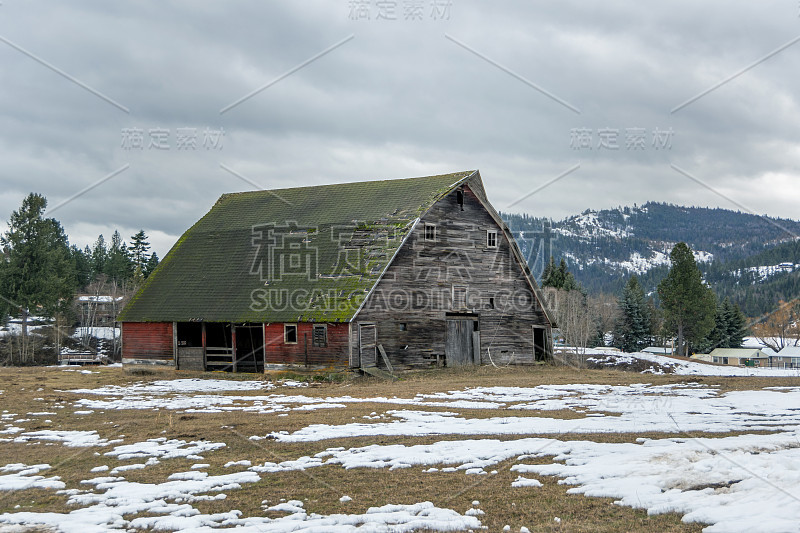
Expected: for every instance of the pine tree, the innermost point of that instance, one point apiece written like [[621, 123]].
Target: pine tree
[[736, 324], [561, 274], [138, 250], [151, 265], [689, 305], [633, 331], [119, 265], [729, 328], [559, 277], [99, 257], [548, 272], [83, 265], [39, 272]]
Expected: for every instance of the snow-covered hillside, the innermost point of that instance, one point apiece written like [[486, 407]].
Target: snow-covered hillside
[[616, 225], [761, 273]]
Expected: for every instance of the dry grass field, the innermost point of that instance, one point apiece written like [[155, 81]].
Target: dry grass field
[[41, 399]]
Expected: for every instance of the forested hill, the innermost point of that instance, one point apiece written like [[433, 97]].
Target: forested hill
[[753, 259]]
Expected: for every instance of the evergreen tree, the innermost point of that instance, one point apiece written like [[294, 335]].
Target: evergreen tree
[[547, 275], [716, 337], [689, 305], [633, 331], [735, 325], [559, 277], [39, 272], [561, 274], [151, 265], [119, 265], [138, 250], [99, 257], [83, 265]]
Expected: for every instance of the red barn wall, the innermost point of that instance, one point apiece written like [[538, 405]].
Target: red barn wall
[[148, 342], [276, 352]]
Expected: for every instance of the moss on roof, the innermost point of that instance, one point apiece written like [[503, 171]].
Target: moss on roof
[[286, 255]]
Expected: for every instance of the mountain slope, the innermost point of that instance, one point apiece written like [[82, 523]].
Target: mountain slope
[[753, 259]]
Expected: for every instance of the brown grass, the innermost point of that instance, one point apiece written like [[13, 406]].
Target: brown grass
[[322, 487]]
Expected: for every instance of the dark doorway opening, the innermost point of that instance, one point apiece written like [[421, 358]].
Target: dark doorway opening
[[191, 355], [539, 344], [250, 348], [219, 347], [190, 334]]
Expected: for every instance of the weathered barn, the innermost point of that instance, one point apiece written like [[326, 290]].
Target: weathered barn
[[422, 270]]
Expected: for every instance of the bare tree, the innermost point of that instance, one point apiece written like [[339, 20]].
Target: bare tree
[[780, 329], [605, 310], [574, 318]]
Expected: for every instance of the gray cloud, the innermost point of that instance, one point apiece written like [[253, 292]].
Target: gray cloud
[[397, 100]]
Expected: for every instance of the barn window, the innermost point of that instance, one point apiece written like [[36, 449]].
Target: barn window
[[491, 302], [460, 199], [320, 336], [430, 232], [290, 333], [403, 326], [491, 239]]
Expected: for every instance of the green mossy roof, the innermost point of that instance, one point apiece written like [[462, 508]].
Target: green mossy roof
[[212, 272]]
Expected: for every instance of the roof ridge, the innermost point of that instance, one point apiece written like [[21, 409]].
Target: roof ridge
[[460, 175]]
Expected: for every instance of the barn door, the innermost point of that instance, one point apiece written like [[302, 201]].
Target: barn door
[[458, 343], [367, 345]]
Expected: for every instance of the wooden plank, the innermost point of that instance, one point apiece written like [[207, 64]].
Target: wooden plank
[[385, 359], [234, 359], [175, 343], [378, 373], [190, 358], [476, 348]]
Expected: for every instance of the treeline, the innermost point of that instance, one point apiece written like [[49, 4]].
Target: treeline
[[687, 313], [41, 273], [117, 262]]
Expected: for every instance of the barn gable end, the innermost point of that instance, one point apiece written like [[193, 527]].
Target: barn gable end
[[459, 289]]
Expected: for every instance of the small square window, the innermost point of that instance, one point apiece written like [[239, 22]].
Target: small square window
[[491, 239], [430, 232], [290, 333], [403, 326], [320, 336]]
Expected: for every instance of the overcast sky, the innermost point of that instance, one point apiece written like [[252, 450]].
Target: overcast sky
[[523, 91]]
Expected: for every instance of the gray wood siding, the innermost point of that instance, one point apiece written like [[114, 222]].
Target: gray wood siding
[[191, 358], [410, 305]]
